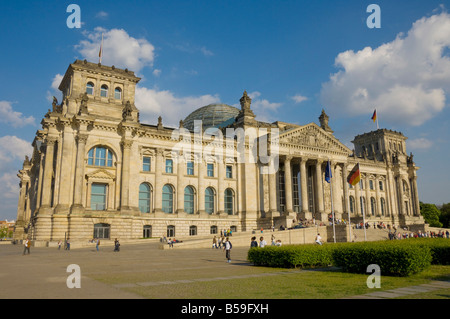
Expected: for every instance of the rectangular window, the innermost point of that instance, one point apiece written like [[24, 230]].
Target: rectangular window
[[98, 196], [146, 164], [371, 184], [169, 166], [210, 170], [229, 172], [381, 185], [190, 168]]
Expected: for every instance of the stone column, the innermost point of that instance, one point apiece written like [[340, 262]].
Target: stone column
[[368, 207], [221, 181], [48, 173], [416, 197], [159, 167], [319, 191], [346, 208], [79, 174], [273, 205], [66, 171], [201, 185], [401, 207], [125, 190], [288, 185], [337, 203], [378, 204], [181, 170], [304, 189], [358, 199]]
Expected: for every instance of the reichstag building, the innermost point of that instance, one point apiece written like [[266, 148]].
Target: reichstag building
[[97, 171]]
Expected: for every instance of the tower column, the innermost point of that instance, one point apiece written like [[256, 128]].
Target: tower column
[[79, 174], [288, 184]]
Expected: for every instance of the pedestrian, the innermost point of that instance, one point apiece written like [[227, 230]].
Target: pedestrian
[[27, 245], [262, 242], [214, 245], [227, 246], [116, 245], [59, 244], [68, 244], [97, 243], [318, 239], [253, 242]]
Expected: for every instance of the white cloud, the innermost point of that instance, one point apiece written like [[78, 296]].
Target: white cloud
[[263, 108], [406, 80], [156, 72], [13, 148], [13, 118], [153, 103], [119, 49], [420, 143], [299, 98], [102, 15]]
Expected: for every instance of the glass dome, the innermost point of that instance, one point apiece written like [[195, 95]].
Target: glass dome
[[213, 115]]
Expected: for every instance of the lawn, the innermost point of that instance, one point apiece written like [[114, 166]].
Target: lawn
[[306, 284]]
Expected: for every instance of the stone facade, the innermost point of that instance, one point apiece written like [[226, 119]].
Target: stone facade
[[97, 171]]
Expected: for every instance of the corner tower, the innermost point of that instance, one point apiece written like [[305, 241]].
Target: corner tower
[[97, 90]]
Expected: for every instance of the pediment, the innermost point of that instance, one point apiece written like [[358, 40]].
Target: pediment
[[312, 136], [101, 174]]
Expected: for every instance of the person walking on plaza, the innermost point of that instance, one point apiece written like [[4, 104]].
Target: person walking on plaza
[[227, 246], [116, 245], [27, 245], [97, 244]]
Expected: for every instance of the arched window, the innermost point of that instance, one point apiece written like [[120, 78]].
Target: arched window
[[189, 200], [383, 205], [352, 205], [167, 199], [118, 94], [209, 200], [229, 201], [104, 90], [144, 198], [100, 156], [213, 230], [372, 206], [90, 88]]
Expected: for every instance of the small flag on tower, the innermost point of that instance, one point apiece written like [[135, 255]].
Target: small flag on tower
[[100, 53], [374, 116], [355, 176]]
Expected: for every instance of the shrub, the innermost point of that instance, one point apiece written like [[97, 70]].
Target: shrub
[[395, 258], [290, 256], [440, 248]]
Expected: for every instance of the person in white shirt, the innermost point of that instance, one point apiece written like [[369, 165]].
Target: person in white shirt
[[262, 242], [318, 239]]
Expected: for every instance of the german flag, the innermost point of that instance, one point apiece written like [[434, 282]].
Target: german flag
[[355, 176], [374, 116]]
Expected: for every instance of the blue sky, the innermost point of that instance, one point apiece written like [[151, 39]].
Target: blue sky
[[293, 57]]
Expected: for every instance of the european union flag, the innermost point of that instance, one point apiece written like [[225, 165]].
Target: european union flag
[[328, 172]]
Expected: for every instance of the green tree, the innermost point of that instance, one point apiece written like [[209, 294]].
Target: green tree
[[445, 215], [431, 214]]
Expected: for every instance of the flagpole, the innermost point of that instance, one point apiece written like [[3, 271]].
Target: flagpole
[[363, 209], [331, 195]]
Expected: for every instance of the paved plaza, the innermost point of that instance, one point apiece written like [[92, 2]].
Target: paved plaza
[[43, 273]]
